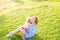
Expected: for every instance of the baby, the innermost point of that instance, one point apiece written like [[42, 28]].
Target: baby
[[28, 29]]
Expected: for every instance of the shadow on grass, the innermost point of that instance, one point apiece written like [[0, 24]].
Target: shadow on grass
[[18, 37], [36, 37]]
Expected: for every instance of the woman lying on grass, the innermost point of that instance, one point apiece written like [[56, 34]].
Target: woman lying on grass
[[28, 29]]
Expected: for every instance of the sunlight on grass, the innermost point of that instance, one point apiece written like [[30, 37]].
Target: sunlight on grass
[[13, 14]]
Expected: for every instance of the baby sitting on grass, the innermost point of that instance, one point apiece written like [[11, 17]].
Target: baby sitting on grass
[[28, 29]]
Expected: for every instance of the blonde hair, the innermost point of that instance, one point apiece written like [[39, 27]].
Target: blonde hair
[[28, 19]]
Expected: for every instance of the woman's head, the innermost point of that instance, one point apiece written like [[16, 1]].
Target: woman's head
[[32, 20]]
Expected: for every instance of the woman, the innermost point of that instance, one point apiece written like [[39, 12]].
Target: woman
[[28, 29]]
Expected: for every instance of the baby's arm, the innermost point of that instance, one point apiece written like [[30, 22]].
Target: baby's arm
[[26, 26]]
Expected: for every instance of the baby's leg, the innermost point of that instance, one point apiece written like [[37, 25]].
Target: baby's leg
[[13, 32]]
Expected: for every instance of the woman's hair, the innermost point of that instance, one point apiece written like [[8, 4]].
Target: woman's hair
[[36, 19], [29, 19]]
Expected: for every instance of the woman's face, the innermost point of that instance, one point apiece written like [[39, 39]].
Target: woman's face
[[33, 20]]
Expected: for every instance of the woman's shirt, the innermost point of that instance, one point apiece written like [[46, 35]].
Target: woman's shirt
[[31, 31]]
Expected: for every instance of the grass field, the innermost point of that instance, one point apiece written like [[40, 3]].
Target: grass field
[[14, 12]]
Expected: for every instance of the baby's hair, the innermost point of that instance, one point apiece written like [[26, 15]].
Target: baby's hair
[[28, 19]]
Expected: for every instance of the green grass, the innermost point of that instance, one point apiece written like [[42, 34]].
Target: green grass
[[13, 14]]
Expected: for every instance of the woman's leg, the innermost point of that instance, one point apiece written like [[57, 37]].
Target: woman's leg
[[16, 31], [13, 32]]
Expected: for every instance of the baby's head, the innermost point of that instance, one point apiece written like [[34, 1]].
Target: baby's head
[[32, 20]]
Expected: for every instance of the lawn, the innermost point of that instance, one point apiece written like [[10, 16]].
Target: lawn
[[14, 12]]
